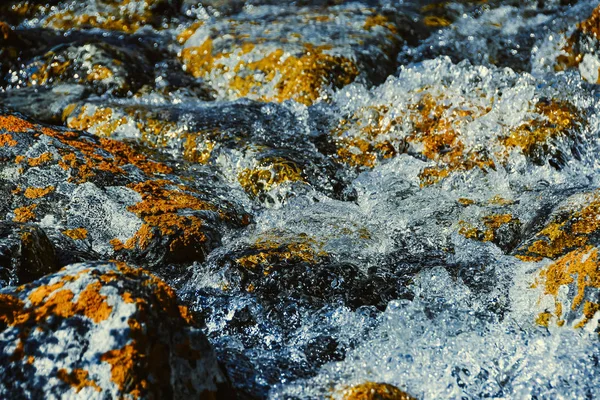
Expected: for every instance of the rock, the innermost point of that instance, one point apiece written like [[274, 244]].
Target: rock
[[430, 125], [569, 290], [582, 49], [107, 198], [45, 104], [373, 391], [283, 53], [571, 225], [263, 148], [26, 254], [97, 64], [121, 15], [100, 330]]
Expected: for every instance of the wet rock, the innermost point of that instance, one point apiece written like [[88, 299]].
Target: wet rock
[[431, 126], [45, 104], [278, 267], [107, 198], [99, 65], [569, 290], [571, 225], [263, 148], [373, 391], [26, 254], [121, 15], [103, 330], [277, 54], [582, 48]]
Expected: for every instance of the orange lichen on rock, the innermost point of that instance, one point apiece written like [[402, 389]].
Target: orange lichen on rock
[[159, 210], [25, 214], [76, 234], [36, 193], [14, 124], [571, 57], [41, 159], [565, 232], [372, 141], [374, 21], [78, 379], [269, 173], [491, 222], [374, 391], [557, 119], [6, 140], [98, 73], [101, 120], [299, 77], [581, 266], [109, 20], [270, 251]]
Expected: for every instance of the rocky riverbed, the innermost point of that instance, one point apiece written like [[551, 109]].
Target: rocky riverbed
[[312, 199]]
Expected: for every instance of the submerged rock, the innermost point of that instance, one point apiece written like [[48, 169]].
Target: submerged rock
[[102, 330]]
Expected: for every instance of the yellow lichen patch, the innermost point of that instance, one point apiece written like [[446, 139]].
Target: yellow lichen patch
[[13, 124], [570, 57], [581, 266], [36, 193], [436, 21], [78, 379], [557, 119], [41, 159], [543, 319], [298, 77], [374, 391], [491, 222], [76, 234], [271, 251], [6, 140], [372, 141], [46, 72], [127, 23], [159, 210], [465, 202], [566, 232], [98, 73], [197, 152], [101, 120], [188, 32], [373, 21], [269, 173], [25, 214]]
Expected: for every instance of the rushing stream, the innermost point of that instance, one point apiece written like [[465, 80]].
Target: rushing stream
[[402, 192]]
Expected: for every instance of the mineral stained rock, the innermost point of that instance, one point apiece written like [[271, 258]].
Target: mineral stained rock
[[102, 330]]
